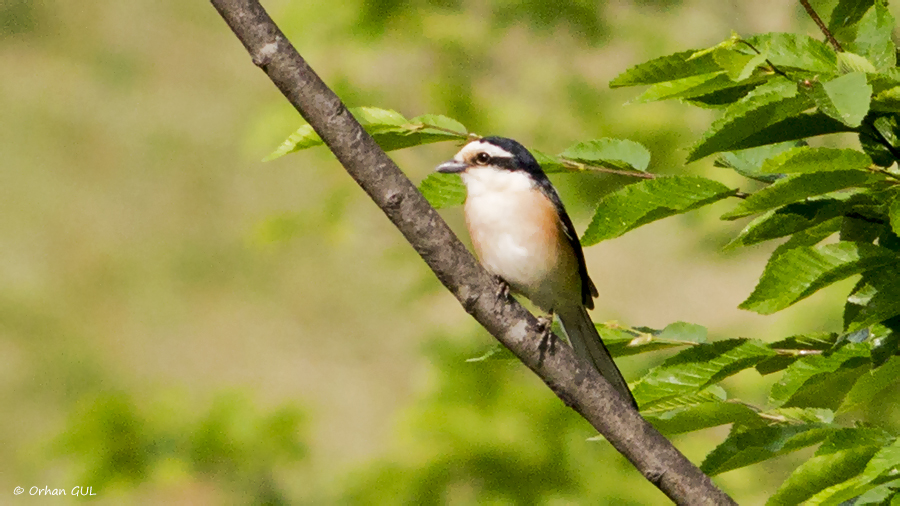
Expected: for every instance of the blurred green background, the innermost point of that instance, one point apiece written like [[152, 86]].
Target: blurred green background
[[180, 322]]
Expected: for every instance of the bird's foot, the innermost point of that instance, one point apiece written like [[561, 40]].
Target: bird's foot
[[503, 290], [548, 338]]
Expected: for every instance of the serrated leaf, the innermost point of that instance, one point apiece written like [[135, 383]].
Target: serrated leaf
[[389, 129], [767, 105], [443, 190], [873, 37], [800, 272], [845, 98], [879, 495], [842, 456], [624, 341], [788, 220], [650, 200], [666, 68], [801, 345], [796, 51], [850, 62], [800, 187], [810, 236], [799, 127], [871, 384], [847, 13], [698, 367], [737, 65], [886, 459], [619, 153], [874, 299], [709, 89], [800, 415], [805, 159], [748, 162], [810, 369], [743, 448], [700, 410]]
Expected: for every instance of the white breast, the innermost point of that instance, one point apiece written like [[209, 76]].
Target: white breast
[[516, 233]]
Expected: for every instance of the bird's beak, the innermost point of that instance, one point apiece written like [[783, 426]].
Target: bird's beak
[[451, 167]]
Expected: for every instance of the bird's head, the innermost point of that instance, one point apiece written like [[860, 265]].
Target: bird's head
[[494, 163]]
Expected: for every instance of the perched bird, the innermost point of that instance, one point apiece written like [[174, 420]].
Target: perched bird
[[523, 235]]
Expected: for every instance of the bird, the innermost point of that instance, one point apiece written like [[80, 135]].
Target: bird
[[523, 235]]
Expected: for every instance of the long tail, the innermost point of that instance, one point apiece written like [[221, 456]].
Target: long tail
[[587, 344]]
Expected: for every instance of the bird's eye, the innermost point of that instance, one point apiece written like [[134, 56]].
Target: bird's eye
[[482, 158]]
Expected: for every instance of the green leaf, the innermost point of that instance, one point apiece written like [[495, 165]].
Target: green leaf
[[802, 345], [799, 127], [810, 236], [887, 100], [698, 367], [684, 332], [700, 410], [305, 137], [737, 65], [389, 129], [845, 98], [743, 448], [443, 190], [879, 495], [874, 299], [847, 13], [619, 153], [805, 159], [796, 51], [650, 200], [800, 415], [788, 220], [882, 462], [748, 162], [624, 341], [894, 214], [873, 37], [843, 455], [799, 187], [871, 384], [850, 62], [765, 106], [698, 86], [800, 272], [666, 68], [810, 369], [551, 164]]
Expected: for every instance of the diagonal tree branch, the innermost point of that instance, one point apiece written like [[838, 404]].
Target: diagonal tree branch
[[574, 382]]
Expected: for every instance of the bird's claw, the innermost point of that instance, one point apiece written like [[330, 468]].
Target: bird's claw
[[503, 290], [548, 338]]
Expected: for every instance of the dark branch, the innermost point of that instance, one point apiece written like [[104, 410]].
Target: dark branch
[[815, 17], [576, 383]]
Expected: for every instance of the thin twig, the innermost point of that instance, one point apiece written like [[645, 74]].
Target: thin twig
[[815, 17], [571, 164], [426, 126]]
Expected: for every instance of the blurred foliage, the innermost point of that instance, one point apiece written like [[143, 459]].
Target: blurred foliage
[[121, 444]]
